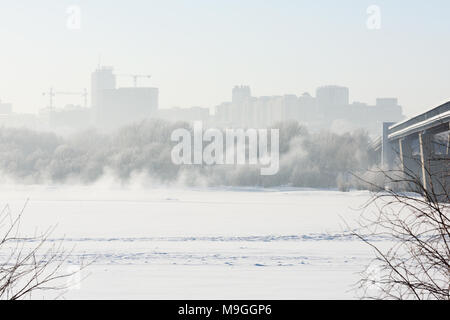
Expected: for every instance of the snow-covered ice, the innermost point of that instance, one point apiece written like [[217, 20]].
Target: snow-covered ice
[[220, 243]]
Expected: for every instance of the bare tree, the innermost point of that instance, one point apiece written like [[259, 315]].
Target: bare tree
[[30, 264], [412, 219]]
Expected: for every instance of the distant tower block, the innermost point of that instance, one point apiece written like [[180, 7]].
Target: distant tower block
[[332, 96], [101, 79], [5, 108], [241, 94]]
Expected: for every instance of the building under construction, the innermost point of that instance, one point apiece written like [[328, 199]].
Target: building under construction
[[113, 107]]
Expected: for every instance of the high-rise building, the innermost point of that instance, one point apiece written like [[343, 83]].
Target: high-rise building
[[113, 106], [308, 108], [291, 107], [120, 106], [101, 79], [386, 102], [240, 94], [5, 108], [240, 97], [222, 113], [389, 109], [332, 96]]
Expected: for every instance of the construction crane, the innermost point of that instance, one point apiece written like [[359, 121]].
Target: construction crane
[[135, 77], [51, 94]]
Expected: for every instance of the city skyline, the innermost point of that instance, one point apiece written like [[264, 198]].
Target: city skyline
[[109, 106], [210, 47]]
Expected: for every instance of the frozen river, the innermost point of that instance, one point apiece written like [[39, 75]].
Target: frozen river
[[161, 243]]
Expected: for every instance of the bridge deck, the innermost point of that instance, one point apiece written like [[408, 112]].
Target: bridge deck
[[438, 118], [432, 118]]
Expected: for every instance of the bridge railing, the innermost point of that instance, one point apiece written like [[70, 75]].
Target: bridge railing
[[422, 117]]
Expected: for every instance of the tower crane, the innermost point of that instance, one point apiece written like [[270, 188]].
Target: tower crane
[[51, 94], [135, 77]]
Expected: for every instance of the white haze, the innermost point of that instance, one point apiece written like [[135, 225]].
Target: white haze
[[141, 153]]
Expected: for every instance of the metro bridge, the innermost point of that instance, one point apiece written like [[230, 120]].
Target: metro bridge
[[420, 147]]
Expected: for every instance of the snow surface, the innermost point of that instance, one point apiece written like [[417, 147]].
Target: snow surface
[[221, 243]]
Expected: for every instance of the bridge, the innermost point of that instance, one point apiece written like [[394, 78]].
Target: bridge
[[420, 146]]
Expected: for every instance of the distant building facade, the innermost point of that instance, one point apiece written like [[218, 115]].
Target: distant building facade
[[70, 118], [332, 96], [185, 114], [5, 108], [17, 120], [101, 79], [330, 108], [121, 106], [240, 94], [113, 106]]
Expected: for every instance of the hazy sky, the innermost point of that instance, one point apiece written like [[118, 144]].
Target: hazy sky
[[197, 50]]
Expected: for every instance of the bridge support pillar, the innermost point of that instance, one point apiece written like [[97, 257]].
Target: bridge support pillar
[[387, 150], [409, 165], [407, 161], [448, 142], [426, 154]]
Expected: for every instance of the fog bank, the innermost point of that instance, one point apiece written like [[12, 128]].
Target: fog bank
[[316, 160]]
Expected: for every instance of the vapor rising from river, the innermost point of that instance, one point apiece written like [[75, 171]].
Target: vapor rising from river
[[317, 160]]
